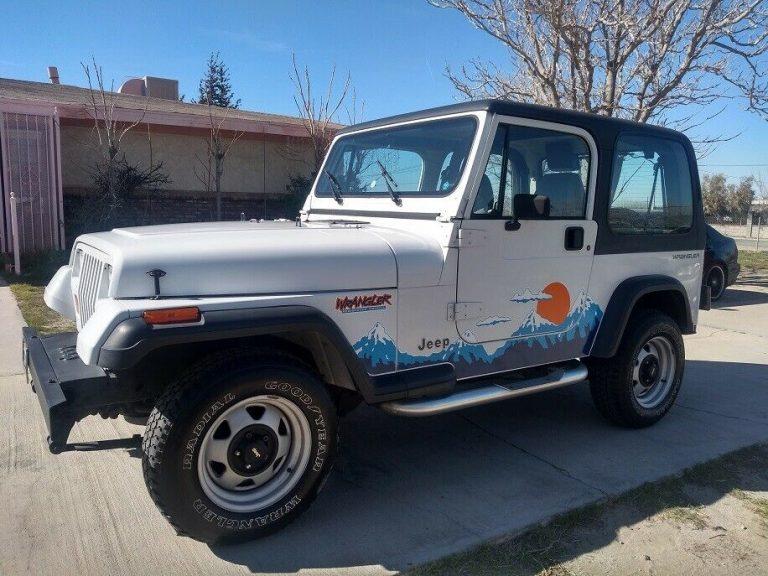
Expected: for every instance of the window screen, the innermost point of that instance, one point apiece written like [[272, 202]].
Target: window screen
[[651, 192]]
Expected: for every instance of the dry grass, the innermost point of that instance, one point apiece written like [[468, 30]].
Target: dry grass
[[28, 290], [753, 261], [690, 515], [545, 550], [758, 505]]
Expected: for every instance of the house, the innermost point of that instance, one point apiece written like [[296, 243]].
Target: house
[[49, 147]]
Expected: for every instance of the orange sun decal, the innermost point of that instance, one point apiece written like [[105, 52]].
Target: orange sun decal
[[555, 309]]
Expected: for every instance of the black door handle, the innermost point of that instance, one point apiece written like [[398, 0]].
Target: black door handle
[[574, 238]]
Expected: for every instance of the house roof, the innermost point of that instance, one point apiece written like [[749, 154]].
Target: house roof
[[75, 102]]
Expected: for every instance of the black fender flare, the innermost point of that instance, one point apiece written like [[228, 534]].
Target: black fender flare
[[133, 339], [622, 303]]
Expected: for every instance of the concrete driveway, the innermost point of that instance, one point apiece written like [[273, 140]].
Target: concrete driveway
[[404, 491]]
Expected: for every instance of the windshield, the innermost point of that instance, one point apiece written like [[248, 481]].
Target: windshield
[[423, 159]]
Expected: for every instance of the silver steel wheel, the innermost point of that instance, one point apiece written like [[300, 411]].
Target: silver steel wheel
[[716, 282], [254, 453], [654, 372]]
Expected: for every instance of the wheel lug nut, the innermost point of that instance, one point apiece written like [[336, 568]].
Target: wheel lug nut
[[265, 438], [237, 452]]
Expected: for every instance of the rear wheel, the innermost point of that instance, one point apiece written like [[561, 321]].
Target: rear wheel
[[239, 446], [715, 279], [639, 385]]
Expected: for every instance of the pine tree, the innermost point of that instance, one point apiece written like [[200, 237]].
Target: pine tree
[[215, 87]]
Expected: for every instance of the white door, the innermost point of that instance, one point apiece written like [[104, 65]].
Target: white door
[[523, 276]]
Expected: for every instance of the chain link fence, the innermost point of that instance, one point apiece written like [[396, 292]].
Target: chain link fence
[[750, 232]]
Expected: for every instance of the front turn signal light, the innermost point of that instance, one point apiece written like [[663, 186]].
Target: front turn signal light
[[187, 315]]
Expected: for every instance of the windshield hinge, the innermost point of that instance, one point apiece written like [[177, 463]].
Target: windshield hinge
[[448, 218]]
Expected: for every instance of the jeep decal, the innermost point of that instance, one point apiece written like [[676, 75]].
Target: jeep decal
[[363, 303]]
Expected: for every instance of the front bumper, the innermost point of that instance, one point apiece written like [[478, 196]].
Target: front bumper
[[67, 389]]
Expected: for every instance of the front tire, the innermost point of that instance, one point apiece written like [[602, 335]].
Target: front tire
[[638, 386], [240, 445]]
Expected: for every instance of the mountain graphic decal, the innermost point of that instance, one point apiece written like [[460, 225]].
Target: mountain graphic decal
[[581, 321], [376, 348], [536, 334], [535, 327]]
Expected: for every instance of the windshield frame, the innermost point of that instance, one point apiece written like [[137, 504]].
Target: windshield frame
[[405, 195]]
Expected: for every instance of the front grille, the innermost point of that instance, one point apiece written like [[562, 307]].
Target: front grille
[[91, 274]]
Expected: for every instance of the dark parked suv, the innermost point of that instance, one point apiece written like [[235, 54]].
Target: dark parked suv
[[721, 262]]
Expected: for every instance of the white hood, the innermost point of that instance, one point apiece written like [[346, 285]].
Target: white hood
[[238, 258]]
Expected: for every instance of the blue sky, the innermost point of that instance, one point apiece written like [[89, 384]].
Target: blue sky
[[395, 50]]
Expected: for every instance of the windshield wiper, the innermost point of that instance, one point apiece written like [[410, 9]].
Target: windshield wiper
[[335, 187], [391, 184]]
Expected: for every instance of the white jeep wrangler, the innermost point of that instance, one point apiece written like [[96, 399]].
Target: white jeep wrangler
[[443, 259]]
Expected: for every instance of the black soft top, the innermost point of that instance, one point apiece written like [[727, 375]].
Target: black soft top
[[603, 128]]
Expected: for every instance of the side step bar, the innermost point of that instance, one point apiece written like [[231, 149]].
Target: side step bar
[[557, 378]]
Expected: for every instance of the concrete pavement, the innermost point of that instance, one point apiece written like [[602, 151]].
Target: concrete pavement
[[404, 491]]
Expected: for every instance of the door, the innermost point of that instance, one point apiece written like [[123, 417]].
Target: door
[[31, 206], [525, 252]]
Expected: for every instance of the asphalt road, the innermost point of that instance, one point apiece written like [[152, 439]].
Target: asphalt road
[[404, 491], [752, 243]]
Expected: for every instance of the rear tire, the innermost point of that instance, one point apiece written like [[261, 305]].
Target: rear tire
[[638, 386], [240, 445], [715, 279]]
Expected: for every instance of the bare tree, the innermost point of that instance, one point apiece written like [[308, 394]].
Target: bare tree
[[714, 195], [762, 187], [636, 59], [114, 178], [740, 197], [110, 132], [355, 111], [319, 115], [219, 142]]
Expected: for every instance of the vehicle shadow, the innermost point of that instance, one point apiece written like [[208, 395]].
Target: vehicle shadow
[[407, 491], [131, 446], [740, 297]]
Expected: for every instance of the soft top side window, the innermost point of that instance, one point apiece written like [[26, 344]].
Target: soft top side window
[[533, 161], [651, 189]]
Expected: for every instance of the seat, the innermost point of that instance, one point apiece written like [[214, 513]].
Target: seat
[[562, 183], [565, 192], [485, 202]]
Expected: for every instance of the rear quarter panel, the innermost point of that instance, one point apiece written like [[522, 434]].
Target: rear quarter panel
[[609, 270]]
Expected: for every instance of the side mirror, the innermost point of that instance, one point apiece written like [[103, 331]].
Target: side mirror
[[531, 207]]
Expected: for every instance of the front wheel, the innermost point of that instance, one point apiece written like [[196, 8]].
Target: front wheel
[[639, 385], [240, 445]]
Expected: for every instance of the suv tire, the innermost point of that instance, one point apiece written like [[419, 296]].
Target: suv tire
[[638, 386], [240, 445]]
